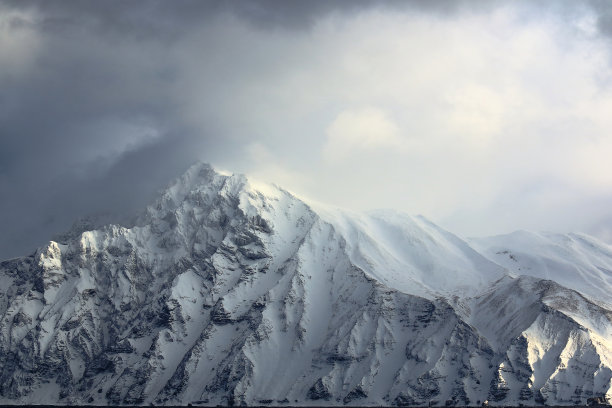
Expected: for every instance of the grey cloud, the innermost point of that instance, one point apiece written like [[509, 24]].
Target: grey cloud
[[95, 122], [156, 19], [88, 125], [604, 16], [169, 19]]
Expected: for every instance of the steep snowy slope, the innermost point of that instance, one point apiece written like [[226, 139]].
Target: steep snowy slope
[[229, 292], [411, 254], [550, 341], [577, 261]]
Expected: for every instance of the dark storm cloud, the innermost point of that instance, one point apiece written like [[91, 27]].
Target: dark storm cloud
[[157, 19], [89, 123], [604, 16], [92, 108]]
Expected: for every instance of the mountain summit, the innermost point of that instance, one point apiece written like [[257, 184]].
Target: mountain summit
[[230, 292]]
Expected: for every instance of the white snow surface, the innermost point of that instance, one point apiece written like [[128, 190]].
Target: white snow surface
[[229, 291], [411, 254], [577, 261]]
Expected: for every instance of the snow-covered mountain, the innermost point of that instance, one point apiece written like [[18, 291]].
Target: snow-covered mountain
[[227, 291]]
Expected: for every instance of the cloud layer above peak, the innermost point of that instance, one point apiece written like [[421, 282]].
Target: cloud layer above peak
[[484, 116]]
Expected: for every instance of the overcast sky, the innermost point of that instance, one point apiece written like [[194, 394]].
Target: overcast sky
[[484, 116]]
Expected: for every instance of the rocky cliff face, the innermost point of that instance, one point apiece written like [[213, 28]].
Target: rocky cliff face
[[225, 292]]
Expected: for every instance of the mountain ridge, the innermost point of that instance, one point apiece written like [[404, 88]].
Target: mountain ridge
[[228, 292]]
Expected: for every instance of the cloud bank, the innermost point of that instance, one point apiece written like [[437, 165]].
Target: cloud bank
[[484, 116]]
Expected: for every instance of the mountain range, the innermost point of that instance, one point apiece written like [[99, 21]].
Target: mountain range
[[229, 291]]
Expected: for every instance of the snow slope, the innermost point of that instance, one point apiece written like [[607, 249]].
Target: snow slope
[[227, 291], [577, 261], [411, 254]]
